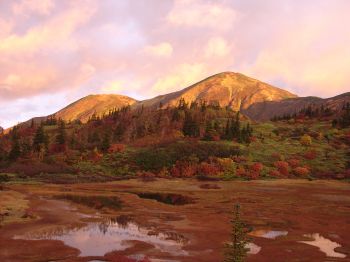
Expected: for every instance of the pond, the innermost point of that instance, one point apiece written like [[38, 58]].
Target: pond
[[97, 239], [325, 245]]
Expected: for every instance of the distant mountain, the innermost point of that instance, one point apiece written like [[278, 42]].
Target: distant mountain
[[228, 89], [265, 110], [1, 130], [85, 107]]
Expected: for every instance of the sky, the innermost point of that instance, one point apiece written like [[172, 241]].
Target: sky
[[53, 52]]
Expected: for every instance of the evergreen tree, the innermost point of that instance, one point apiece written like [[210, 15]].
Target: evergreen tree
[[15, 152], [190, 126], [176, 115], [95, 138], [106, 142], [40, 139], [228, 133], [209, 131], [119, 132], [235, 126], [62, 136], [236, 250]]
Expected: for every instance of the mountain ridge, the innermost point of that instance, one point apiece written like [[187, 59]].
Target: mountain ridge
[[256, 99], [266, 110]]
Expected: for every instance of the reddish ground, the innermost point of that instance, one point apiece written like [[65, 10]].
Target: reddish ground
[[297, 206]]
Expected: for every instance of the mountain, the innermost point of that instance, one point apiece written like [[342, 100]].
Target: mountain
[[85, 107], [265, 110], [1, 130], [228, 89]]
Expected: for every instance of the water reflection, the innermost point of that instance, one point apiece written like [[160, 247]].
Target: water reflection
[[270, 234], [97, 239], [253, 248], [325, 245]]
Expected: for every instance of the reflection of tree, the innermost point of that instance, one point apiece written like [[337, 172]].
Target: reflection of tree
[[53, 232], [103, 227], [123, 221], [176, 237]]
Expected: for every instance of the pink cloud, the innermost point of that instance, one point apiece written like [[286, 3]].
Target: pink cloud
[[26, 7]]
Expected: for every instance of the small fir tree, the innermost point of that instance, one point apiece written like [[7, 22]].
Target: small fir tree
[[236, 251]]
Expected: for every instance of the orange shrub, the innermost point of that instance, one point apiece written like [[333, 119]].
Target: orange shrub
[[275, 173], [206, 169], [306, 140], [293, 162], [256, 167], [282, 167], [241, 171], [301, 171], [164, 172], [252, 174], [183, 169], [225, 164]]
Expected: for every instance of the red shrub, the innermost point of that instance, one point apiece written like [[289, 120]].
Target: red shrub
[[252, 174], [206, 169], [57, 148], [282, 167], [293, 162], [275, 173], [183, 169], [301, 171], [256, 167], [310, 155]]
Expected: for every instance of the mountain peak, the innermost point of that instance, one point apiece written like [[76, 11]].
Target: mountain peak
[[228, 89]]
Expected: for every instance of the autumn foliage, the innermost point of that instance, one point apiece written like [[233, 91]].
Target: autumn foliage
[[282, 167]]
